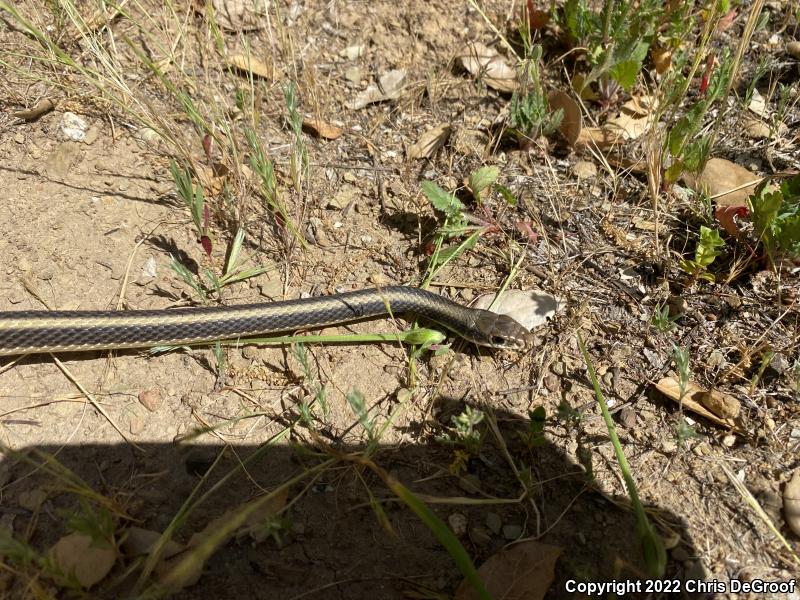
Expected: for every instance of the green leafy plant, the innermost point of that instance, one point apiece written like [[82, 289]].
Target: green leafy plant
[[709, 247], [211, 283], [686, 152], [455, 225], [660, 318], [529, 114], [775, 213], [268, 190], [192, 195], [617, 37], [465, 435], [533, 436]]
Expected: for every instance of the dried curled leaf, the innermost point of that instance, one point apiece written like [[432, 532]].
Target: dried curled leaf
[[320, 128], [391, 86], [76, 554], [525, 571], [484, 62], [726, 182], [29, 114], [572, 122], [429, 142], [250, 64], [715, 406]]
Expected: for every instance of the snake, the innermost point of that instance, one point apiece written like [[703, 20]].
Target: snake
[[38, 331]]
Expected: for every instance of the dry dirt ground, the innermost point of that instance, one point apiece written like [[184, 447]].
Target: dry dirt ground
[[94, 224]]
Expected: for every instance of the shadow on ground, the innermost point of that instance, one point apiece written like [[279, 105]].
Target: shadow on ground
[[330, 542]]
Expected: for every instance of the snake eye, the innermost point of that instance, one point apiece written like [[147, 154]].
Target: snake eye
[[498, 342]]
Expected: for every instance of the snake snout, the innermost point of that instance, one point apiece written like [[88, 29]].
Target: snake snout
[[504, 332]]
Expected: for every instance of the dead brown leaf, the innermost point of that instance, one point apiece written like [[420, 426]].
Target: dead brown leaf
[[523, 572], [76, 554], [725, 182], [29, 114], [703, 402], [662, 59], [429, 142], [250, 64], [572, 123], [633, 118], [323, 129], [484, 62], [598, 136]]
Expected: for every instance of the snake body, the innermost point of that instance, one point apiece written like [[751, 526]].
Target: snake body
[[30, 332]]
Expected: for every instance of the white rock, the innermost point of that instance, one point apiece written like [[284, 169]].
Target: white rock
[[73, 126]]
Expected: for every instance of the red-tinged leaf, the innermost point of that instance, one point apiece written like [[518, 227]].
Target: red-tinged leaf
[[429, 249], [524, 227], [205, 241], [707, 74], [727, 20], [726, 216], [206, 217], [537, 19]]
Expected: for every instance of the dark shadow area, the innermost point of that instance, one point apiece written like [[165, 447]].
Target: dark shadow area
[[169, 199], [331, 541]]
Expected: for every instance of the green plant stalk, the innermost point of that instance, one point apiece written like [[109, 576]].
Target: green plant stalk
[[435, 524], [412, 337], [652, 545]]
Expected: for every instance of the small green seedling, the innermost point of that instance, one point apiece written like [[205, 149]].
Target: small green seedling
[[709, 247]]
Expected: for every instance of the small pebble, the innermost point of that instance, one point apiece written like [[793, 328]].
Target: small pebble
[[136, 425], [458, 523], [150, 399], [494, 522]]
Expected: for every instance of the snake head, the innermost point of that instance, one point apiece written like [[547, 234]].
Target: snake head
[[501, 331]]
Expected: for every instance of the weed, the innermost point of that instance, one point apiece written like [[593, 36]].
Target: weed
[[684, 432], [313, 383], [533, 436], [356, 401], [568, 415], [681, 358], [617, 37], [660, 319], [299, 159], [652, 544], [530, 114], [776, 217], [211, 283], [687, 153], [465, 436], [709, 247], [265, 170], [192, 195]]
